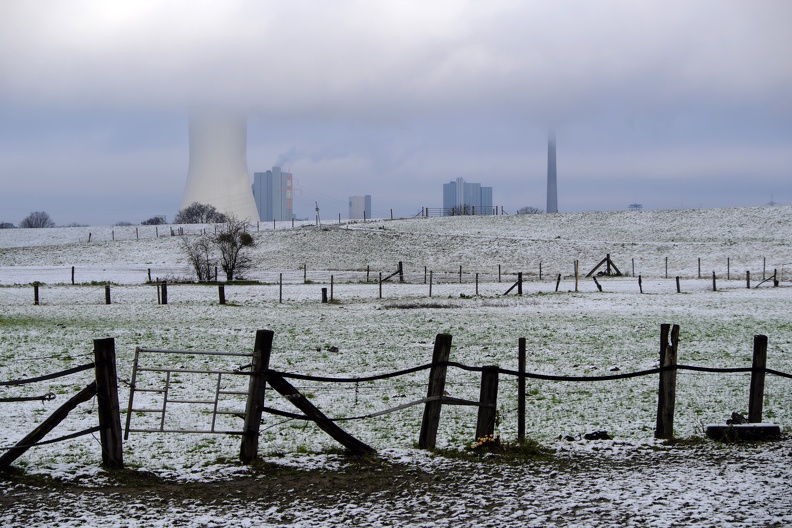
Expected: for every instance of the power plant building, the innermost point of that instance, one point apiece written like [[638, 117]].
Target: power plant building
[[360, 207], [272, 192], [218, 173], [460, 197]]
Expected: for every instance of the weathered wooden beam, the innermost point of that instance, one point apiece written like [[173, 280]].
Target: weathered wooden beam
[[437, 376], [47, 425], [666, 397], [277, 382], [255, 400], [756, 395], [107, 403], [488, 400]]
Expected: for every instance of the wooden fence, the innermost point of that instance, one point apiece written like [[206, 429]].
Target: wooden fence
[[260, 375]]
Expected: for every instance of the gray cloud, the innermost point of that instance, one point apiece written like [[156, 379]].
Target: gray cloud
[[397, 95]]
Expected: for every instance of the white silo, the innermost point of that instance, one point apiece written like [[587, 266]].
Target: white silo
[[218, 173]]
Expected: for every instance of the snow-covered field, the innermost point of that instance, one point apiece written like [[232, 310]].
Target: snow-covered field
[[630, 480]]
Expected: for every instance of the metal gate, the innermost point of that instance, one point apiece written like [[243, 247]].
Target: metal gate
[[160, 387]]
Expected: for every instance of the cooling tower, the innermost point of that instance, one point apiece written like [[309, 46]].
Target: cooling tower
[[552, 191], [218, 173]]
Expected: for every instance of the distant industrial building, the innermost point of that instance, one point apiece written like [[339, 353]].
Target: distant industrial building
[[272, 191], [552, 188], [636, 207], [360, 207], [460, 197]]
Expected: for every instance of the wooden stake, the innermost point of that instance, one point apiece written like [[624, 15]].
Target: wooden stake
[[521, 391], [756, 395], [221, 293], [666, 397], [437, 377], [107, 294], [107, 403], [488, 401], [255, 399]]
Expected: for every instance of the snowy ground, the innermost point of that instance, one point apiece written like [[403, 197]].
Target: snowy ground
[[630, 480]]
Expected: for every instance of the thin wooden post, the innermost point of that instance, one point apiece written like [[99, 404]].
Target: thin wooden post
[[368, 269], [164, 292], [764, 267], [331, 288], [521, 391], [280, 288], [460, 274], [607, 264], [666, 267], [540, 271], [437, 376], [714, 286], [756, 395], [775, 278], [558, 282], [599, 287], [499, 272], [677, 284], [137, 235], [380, 285], [36, 293], [666, 396], [112, 233], [401, 272], [72, 276], [488, 402], [476, 284], [107, 403], [640, 284], [430, 284], [107, 294], [576, 275], [221, 293], [425, 274], [255, 399], [324, 295], [633, 267], [305, 273], [728, 268], [748, 279], [699, 267], [519, 283]]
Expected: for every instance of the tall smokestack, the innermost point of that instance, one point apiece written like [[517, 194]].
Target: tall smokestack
[[218, 173], [552, 190]]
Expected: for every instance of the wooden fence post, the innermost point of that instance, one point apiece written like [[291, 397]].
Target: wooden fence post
[[699, 267], [164, 292], [488, 402], [280, 288], [255, 399], [728, 268], [576, 276], [107, 294], [36, 293], [748, 279], [430, 284], [558, 282], [221, 293], [107, 403], [437, 377], [666, 267], [540, 271], [476, 284], [324, 295], [640, 284], [460, 274], [521, 391], [756, 396], [677, 284], [599, 287], [401, 272], [666, 396], [331, 288], [72, 275], [499, 272], [714, 286], [380, 285], [519, 283]]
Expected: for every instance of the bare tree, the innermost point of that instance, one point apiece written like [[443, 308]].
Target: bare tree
[[529, 210], [198, 213], [199, 253], [231, 240], [37, 219]]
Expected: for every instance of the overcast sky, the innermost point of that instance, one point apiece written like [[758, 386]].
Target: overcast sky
[[670, 104]]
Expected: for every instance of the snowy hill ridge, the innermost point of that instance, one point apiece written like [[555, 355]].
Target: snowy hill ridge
[[639, 242]]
